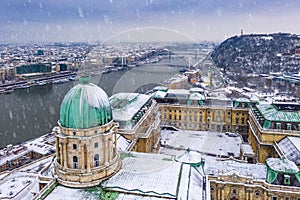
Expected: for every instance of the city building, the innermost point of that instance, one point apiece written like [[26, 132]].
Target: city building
[[86, 140], [193, 110], [233, 179], [138, 119], [269, 123]]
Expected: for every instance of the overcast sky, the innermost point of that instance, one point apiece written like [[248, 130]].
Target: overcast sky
[[97, 20]]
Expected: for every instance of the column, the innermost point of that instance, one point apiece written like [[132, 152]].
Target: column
[[82, 157], [106, 150], [65, 154], [57, 147], [88, 157], [60, 153]]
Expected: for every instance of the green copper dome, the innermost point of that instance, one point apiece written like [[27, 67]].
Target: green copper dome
[[86, 105]]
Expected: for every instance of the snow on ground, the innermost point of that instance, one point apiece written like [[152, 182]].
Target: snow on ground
[[205, 142]]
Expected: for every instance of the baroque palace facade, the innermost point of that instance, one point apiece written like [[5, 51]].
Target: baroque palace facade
[[117, 148]]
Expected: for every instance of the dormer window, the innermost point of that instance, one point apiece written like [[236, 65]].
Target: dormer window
[[288, 126], [278, 126], [287, 179]]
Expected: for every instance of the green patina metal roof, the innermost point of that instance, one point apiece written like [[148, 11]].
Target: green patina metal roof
[[277, 165], [270, 113], [86, 105]]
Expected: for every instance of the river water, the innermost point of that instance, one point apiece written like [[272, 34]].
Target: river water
[[32, 112]]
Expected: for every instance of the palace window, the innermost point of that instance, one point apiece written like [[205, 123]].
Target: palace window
[[257, 194], [288, 126], [243, 121], [74, 133], [96, 145], [75, 162], [96, 160], [234, 191], [96, 131], [195, 118], [74, 146], [274, 198], [287, 180], [278, 125], [236, 120], [179, 117]]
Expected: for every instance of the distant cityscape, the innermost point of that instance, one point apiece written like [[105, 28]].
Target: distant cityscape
[[225, 126]]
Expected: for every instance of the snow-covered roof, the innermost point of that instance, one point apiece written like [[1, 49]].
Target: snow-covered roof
[[247, 149], [41, 145], [290, 147], [179, 91], [156, 175], [139, 175], [61, 192], [244, 100], [126, 105], [189, 157], [282, 165], [122, 142], [214, 166], [254, 98], [159, 94], [205, 142], [196, 96], [196, 89]]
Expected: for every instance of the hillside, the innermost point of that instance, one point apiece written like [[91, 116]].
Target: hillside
[[262, 53]]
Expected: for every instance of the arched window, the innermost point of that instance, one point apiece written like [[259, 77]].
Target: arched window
[[96, 160], [75, 162]]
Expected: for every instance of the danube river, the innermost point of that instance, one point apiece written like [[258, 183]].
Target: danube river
[[32, 112]]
